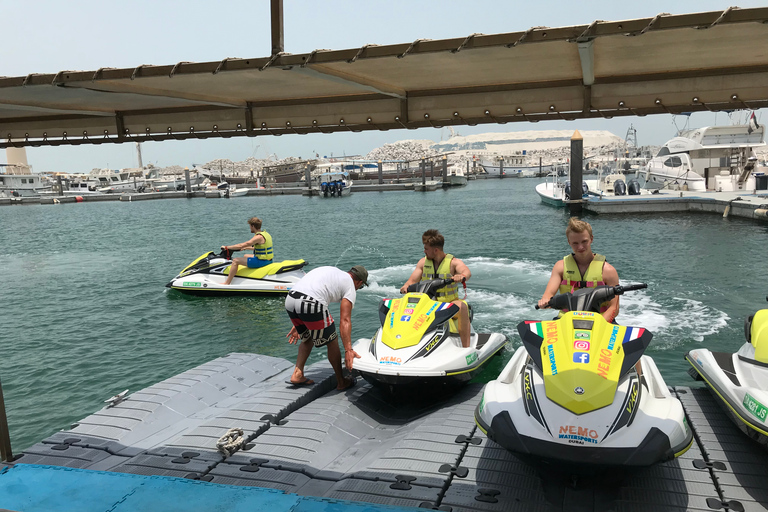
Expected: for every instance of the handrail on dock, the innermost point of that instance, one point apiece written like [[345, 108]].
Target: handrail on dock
[[6, 455]]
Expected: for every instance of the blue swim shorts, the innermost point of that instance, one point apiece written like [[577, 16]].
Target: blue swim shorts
[[254, 262]]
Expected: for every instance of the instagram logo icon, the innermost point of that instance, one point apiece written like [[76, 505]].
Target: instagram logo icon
[[581, 345]]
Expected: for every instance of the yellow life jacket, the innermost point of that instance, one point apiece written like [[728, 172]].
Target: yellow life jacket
[[447, 293], [264, 251], [573, 280]]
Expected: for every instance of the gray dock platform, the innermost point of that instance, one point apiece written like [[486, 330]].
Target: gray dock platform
[[360, 445], [744, 204]]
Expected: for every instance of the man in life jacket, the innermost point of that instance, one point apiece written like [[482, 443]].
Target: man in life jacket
[[582, 269], [262, 250], [438, 265]]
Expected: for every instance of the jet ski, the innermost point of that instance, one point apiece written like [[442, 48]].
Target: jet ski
[[740, 380], [207, 274], [418, 342], [571, 396]]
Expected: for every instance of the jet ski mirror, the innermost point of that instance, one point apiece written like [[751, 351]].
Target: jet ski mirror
[[429, 287]]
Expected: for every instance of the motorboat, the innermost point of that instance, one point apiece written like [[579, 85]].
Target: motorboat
[[335, 184], [231, 190], [574, 398], [418, 342], [207, 274], [719, 158], [739, 381]]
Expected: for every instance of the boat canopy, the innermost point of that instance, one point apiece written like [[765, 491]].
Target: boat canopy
[[665, 64]]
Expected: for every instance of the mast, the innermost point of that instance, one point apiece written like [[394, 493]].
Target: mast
[[138, 153]]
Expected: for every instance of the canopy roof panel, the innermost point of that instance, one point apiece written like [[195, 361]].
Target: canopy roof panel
[[666, 64]]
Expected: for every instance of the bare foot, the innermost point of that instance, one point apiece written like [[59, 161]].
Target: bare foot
[[305, 382], [348, 383]]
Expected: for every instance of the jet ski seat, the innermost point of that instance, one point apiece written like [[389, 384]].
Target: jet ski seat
[[756, 330], [269, 270]]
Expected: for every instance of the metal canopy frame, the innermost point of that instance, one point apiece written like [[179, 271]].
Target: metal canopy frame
[[665, 64]]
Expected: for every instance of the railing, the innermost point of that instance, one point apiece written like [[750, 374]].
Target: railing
[[6, 455]]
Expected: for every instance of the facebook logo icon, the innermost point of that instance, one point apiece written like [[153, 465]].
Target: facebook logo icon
[[580, 357]]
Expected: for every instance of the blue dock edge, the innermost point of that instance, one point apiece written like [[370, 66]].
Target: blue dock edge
[[36, 488]]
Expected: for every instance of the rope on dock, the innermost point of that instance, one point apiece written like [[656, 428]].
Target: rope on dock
[[230, 442]]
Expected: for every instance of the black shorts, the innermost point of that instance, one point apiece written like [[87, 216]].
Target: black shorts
[[311, 318]]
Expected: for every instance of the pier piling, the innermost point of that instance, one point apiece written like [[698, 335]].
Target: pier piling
[[577, 161], [6, 455]]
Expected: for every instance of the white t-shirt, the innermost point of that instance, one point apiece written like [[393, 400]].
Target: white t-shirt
[[328, 285]]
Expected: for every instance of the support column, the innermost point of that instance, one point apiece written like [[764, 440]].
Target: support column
[[422, 166], [577, 161], [381, 173], [187, 182], [6, 455]]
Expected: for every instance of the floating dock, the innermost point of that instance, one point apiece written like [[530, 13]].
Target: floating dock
[[744, 204], [357, 446]]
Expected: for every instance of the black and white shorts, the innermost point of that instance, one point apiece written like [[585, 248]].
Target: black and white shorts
[[311, 318]]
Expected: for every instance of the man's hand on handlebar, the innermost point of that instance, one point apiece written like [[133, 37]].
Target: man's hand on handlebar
[[458, 278], [543, 304]]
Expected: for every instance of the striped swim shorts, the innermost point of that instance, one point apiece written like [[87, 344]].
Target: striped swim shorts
[[311, 318]]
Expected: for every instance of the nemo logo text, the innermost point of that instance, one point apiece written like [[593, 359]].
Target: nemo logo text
[[578, 435], [604, 363]]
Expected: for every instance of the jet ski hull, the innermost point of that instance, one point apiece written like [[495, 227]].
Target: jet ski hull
[[643, 425], [738, 381], [450, 363]]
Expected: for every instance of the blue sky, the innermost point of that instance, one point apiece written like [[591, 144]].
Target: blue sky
[[46, 36]]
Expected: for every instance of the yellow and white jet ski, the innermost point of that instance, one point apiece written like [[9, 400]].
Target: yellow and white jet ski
[[208, 273], [740, 380], [418, 342], [572, 396]]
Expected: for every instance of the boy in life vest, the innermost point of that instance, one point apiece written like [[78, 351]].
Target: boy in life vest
[[582, 269], [438, 265], [261, 242]]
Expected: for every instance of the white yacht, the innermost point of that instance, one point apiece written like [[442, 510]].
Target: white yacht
[[18, 181], [719, 158]]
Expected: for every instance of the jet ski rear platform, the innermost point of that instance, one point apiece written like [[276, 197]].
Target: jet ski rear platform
[[335, 450]]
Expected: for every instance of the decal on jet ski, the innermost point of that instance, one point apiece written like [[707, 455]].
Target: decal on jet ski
[[536, 328], [419, 322], [583, 335], [757, 409], [628, 410], [604, 363], [552, 363], [551, 334], [633, 333], [408, 311], [390, 360], [578, 435], [471, 358], [405, 318], [581, 357], [531, 405], [581, 345], [434, 306], [612, 341], [191, 283], [583, 313]]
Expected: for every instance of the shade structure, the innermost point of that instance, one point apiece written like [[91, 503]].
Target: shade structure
[[665, 64]]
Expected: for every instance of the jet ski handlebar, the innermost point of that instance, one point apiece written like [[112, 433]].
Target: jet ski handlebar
[[589, 299], [429, 287]]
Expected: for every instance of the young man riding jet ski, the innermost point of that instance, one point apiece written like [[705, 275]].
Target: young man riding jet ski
[[261, 242], [582, 269], [213, 274], [740, 380], [571, 396], [436, 264], [418, 341]]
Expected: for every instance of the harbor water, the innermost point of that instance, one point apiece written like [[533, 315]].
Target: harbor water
[[86, 315]]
